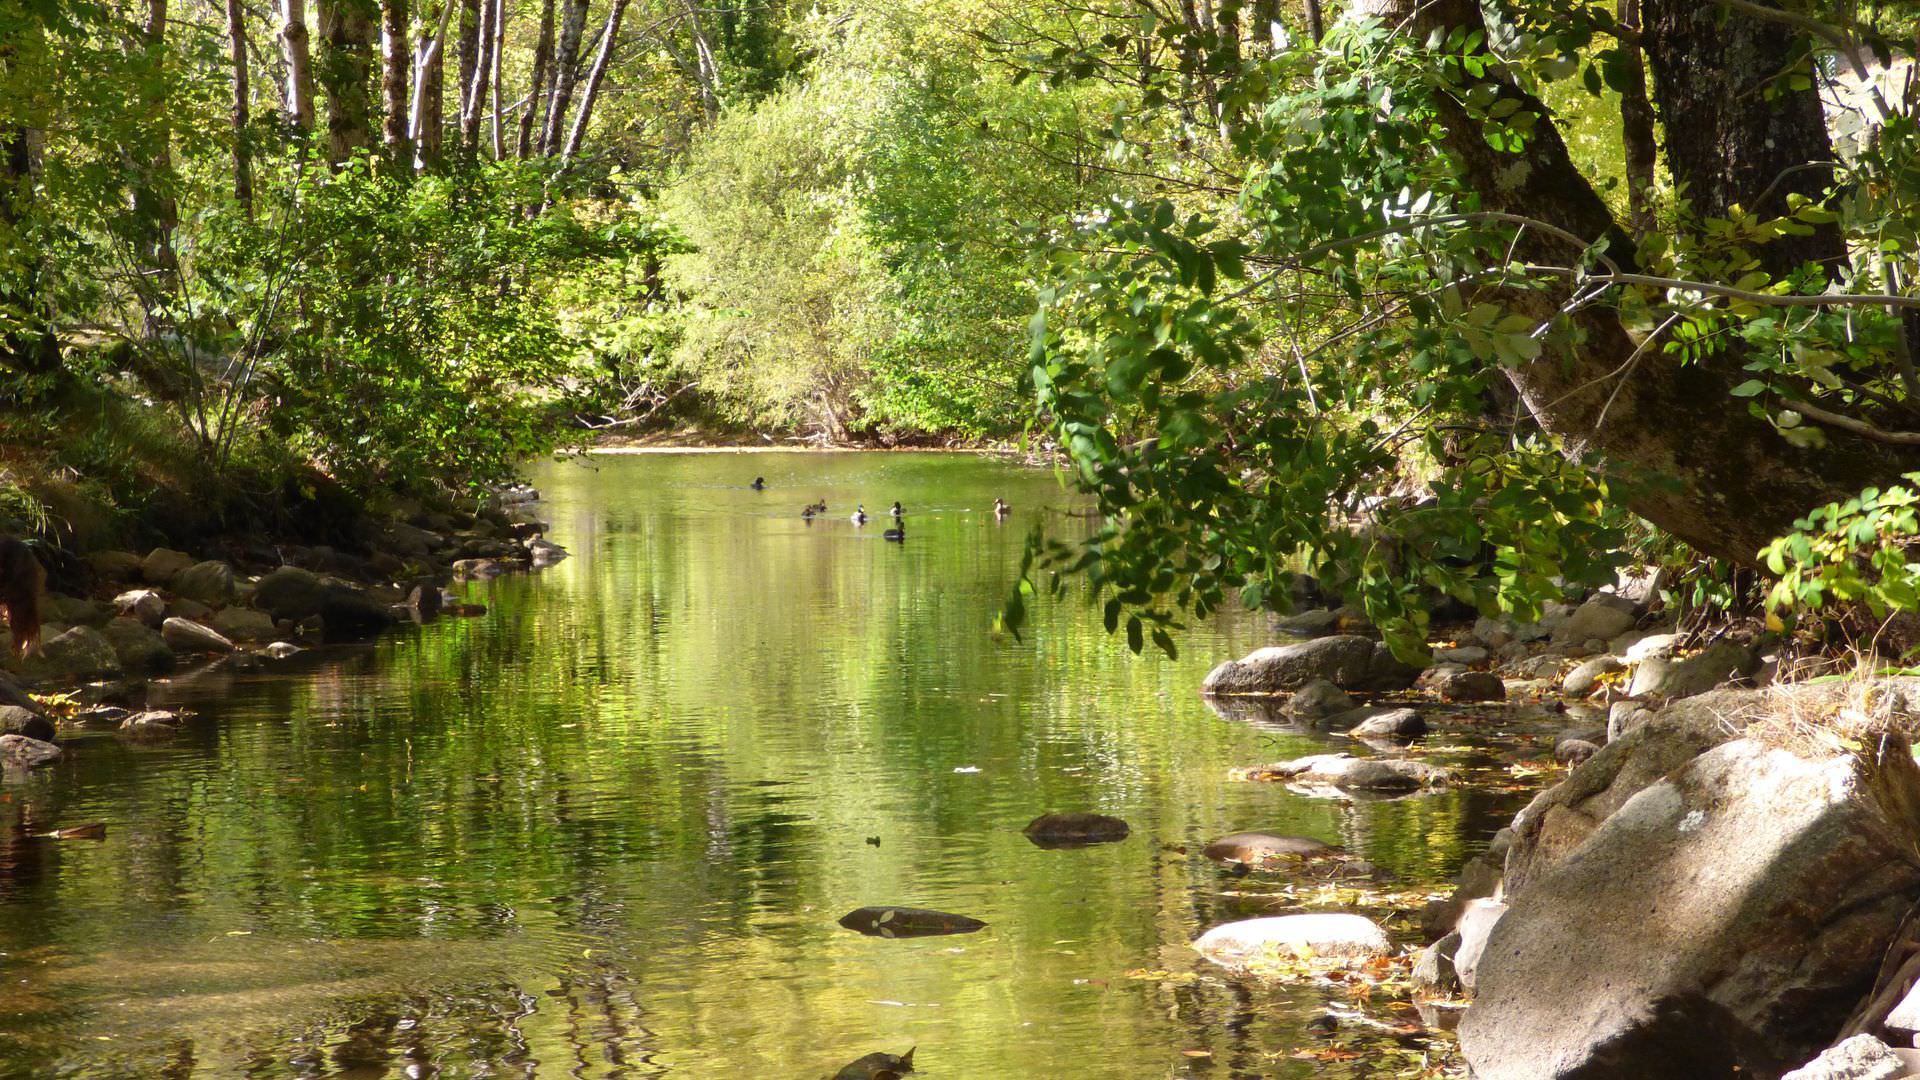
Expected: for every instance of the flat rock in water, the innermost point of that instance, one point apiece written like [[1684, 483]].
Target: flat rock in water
[[904, 922], [1472, 686], [1392, 724], [1342, 659], [1287, 937], [878, 1066], [152, 722], [1350, 773], [1318, 700], [185, 635], [21, 752], [1075, 830], [1259, 849]]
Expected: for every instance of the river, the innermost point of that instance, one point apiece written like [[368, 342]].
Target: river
[[607, 829]]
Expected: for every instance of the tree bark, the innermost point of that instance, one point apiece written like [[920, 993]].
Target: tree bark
[[155, 212], [346, 75], [1316, 22], [542, 55], [566, 70], [498, 49], [1679, 450], [429, 93], [242, 145], [1729, 144], [473, 99], [467, 52], [1636, 126], [396, 56], [592, 90], [293, 45]]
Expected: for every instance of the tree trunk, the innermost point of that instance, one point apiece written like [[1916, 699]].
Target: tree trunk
[[467, 51], [1728, 142], [346, 75], [396, 56], [293, 45], [428, 92], [1679, 450], [566, 69], [155, 212], [498, 49], [473, 99], [1316, 23], [594, 76], [1636, 126], [542, 54], [242, 146]]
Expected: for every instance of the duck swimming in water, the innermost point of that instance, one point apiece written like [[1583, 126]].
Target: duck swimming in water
[[759, 483], [860, 514], [808, 512], [1000, 508], [896, 511]]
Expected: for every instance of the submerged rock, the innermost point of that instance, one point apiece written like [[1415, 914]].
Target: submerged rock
[[904, 922], [878, 1066], [1074, 830], [1263, 849], [1289, 937], [1317, 700], [1350, 773]]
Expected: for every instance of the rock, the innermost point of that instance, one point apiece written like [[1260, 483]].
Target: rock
[[1464, 655], [161, 564], [209, 582], [114, 565], [404, 539], [904, 922], [152, 722], [71, 611], [1730, 914], [1479, 877], [73, 655], [12, 693], [1392, 724], [877, 1066], [1652, 647], [1318, 700], [280, 650], [1350, 773], [543, 552], [187, 608], [1385, 672], [1310, 624], [1433, 970], [479, 569], [244, 624], [187, 636], [21, 752], [1905, 1017], [1346, 660], [139, 647], [1574, 752], [1862, 1057], [15, 720], [1472, 686], [1493, 633], [1284, 937], [143, 604], [1074, 830], [299, 595], [1717, 663], [423, 602], [1602, 616], [1265, 849], [1477, 921], [1581, 680]]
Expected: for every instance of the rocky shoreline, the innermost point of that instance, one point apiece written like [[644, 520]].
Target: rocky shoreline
[[115, 621], [1724, 883]]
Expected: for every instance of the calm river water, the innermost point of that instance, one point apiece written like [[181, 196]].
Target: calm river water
[[607, 830]]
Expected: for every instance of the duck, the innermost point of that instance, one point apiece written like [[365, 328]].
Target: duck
[[759, 483], [808, 512], [1000, 508], [897, 534], [896, 511], [860, 514]]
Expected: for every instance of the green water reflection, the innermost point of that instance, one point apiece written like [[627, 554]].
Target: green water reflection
[[607, 830]]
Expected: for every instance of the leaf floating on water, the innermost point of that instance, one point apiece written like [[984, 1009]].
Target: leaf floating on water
[[1196, 1053]]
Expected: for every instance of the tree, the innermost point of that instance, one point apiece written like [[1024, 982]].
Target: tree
[[294, 47], [566, 69], [608, 35], [242, 144], [346, 74], [537, 84], [395, 58]]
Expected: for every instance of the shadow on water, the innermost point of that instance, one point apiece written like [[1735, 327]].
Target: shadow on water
[[607, 830]]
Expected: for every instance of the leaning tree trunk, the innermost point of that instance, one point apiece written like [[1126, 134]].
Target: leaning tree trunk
[[542, 54], [346, 75], [242, 147], [566, 69], [395, 58], [592, 90], [1682, 453], [293, 45], [1735, 134]]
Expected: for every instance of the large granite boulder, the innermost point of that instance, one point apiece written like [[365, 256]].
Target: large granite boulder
[[1722, 920], [1697, 674], [209, 582], [139, 647], [296, 594], [74, 655], [1603, 617], [162, 564], [1348, 661]]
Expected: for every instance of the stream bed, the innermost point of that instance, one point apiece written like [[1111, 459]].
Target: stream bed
[[607, 830]]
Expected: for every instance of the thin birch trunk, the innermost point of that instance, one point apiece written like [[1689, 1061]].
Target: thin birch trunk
[[242, 146], [542, 55], [594, 77]]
